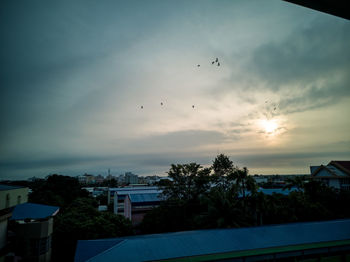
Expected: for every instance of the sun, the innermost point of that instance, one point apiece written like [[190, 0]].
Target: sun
[[269, 126]]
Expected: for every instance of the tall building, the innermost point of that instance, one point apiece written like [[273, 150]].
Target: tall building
[[130, 178]]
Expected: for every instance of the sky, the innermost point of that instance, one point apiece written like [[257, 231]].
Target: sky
[[74, 76]]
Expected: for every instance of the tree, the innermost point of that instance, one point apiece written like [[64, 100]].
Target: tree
[[223, 169], [56, 190], [189, 182], [297, 182], [81, 220]]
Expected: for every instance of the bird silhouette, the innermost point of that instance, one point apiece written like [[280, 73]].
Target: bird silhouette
[[216, 60], [218, 64], [161, 103], [192, 106], [141, 107], [198, 65], [212, 62]]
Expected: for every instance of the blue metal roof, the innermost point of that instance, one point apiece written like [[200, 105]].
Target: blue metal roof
[[205, 242], [141, 198], [90, 248], [271, 191], [33, 211]]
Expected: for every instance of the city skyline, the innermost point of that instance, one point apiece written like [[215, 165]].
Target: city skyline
[[131, 86]]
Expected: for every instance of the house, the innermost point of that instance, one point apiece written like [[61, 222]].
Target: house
[[10, 196], [336, 174], [308, 241]]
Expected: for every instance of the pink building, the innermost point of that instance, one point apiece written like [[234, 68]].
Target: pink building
[[137, 205]]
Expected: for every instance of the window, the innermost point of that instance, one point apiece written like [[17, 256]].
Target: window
[[7, 201], [40, 246], [19, 199]]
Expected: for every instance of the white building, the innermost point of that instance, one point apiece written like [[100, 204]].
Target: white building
[[336, 174]]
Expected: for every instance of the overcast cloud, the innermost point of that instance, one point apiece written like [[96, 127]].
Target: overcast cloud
[[74, 75]]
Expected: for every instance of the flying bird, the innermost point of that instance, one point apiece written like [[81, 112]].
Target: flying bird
[[141, 107], [161, 103], [218, 64], [216, 60], [192, 106], [198, 65], [212, 62]]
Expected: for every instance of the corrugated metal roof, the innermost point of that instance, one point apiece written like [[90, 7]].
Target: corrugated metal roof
[[119, 189], [205, 242], [141, 198], [33, 211], [271, 191], [90, 248], [133, 192]]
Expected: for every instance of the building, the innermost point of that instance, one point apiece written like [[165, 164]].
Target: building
[[87, 179], [137, 205], [117, 195], [336, 174], [32, 228], [99, 179], [30, 225], [308, 241], [131, 178], [10, 196]]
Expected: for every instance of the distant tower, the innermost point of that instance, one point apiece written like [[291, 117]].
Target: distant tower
[[109, 172]]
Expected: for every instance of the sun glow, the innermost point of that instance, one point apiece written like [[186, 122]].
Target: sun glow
[[269, 126]]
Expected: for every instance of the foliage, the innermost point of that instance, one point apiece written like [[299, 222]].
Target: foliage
[[203, 198], [221, 196], [189, 182], [56, 190], [78, 217], [225, 196], [81, 220]]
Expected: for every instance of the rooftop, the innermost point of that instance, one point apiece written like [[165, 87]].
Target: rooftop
[[217, 242], [142, 198], [33, 211]]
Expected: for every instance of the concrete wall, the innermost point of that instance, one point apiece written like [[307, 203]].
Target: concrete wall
[[12, 197], [36, 229], [3, 232], [29, 232], [127, 207]]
